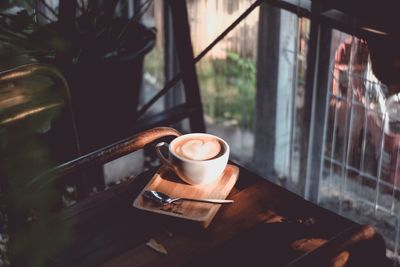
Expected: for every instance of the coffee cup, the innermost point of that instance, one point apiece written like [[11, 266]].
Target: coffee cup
[[197, 158]]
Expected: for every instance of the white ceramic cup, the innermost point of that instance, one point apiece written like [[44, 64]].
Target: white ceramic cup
[[195, 171]]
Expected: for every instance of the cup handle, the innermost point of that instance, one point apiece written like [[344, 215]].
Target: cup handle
[[162, 157]]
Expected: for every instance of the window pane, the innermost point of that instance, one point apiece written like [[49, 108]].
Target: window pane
[[361, 153], [227, 74]]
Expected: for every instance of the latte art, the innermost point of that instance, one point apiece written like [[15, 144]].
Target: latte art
[[196, 158], [198, 149]]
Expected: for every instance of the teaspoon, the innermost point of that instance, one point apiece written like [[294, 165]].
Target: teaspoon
[[164, 199]]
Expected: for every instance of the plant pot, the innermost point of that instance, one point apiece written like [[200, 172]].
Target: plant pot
[[105, 92]]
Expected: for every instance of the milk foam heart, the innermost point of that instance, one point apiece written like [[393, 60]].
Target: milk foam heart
[[198, 149]]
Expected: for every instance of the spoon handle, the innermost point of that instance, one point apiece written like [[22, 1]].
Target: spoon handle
[[205, 200]]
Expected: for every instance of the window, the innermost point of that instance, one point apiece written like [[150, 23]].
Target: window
[[260, 101], [359, 176]]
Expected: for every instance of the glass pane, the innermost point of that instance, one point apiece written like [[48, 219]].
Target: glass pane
[[227, 74], [153, 70], [210, 18], [361, 163], [228, 79]]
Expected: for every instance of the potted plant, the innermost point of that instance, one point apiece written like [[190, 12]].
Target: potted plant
[[99, 51]]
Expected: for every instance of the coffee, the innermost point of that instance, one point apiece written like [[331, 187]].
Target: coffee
[[197, 158], [198, 148]]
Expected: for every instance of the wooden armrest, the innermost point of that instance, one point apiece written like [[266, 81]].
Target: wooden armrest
[[104, 155]]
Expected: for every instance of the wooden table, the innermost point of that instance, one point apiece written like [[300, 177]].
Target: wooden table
[[266, 226]]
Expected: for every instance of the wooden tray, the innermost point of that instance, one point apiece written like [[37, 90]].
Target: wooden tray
[[167, 182]]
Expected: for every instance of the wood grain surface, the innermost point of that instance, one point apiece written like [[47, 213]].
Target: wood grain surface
[[261, 228], [167, 182]]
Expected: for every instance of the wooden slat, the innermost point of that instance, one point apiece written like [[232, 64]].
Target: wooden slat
[[347, 248]]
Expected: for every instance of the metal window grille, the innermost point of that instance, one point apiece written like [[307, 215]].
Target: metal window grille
[[361, 155]]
